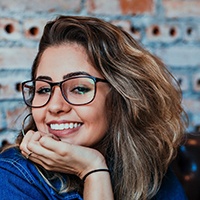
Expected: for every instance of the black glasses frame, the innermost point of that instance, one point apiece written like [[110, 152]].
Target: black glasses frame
[[53, 84]]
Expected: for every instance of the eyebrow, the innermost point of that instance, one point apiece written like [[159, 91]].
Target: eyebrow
[[79, 73]]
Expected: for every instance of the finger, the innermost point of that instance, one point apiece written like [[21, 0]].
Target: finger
[[47, 154], [48, 164], [25, 141], [47, 159], [53, 162], [31, 143], [51, 142], [39, 150], [28, 155], [35, 136], [51, 136]]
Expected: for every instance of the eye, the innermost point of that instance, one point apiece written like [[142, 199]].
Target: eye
[[43, 90], [80, 90]]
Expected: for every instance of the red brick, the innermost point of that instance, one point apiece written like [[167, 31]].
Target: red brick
[[40, 6], [180, 8], [191, 32], [163, 33], [10, 86], [136, 6], [10, 29], [124, 7], [15, 116], [183, 81], [33, 28], [9, 136], [126, 25], [196, 82]]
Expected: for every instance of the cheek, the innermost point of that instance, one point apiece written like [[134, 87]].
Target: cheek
[[37, 114], [101, 112], [96, 118], [95, 126]]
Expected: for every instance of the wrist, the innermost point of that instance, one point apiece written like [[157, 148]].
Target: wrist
[[105, 170], [96, 161]]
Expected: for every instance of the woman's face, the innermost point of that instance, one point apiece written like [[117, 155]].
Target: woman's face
[[82, 125]]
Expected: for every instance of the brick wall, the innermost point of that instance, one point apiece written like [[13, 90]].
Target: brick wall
[[168, 28]]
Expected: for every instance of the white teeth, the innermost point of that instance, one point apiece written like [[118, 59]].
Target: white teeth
[[71, 125], [75, 125], [64, 126]]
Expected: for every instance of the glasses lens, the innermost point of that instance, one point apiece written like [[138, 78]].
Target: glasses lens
[[79, 90], [36, 93]]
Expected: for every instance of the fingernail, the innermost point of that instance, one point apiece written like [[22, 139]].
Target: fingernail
[[56, 138]]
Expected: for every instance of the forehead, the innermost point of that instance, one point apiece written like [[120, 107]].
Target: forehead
[[58, 61]]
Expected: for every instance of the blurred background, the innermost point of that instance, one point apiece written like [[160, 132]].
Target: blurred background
[[168, 28]]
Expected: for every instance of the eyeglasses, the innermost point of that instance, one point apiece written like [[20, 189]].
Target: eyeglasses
[[79, 90]]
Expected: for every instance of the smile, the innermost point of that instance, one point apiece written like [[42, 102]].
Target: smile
[[64, 126]]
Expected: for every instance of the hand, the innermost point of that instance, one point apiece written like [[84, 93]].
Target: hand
[[60, 156]]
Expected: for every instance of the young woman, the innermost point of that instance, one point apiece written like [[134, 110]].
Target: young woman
[[106, 119]]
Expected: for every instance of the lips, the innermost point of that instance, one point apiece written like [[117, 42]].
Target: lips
[[63, 128]]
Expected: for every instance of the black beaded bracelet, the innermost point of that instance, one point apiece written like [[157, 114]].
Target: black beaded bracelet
[[93, 171]]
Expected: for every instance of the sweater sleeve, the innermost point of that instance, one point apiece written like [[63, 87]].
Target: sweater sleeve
[[14, 186], [21, 180]]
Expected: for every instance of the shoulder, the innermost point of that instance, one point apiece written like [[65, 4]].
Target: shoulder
[[171, 188], [22, 179], [12, 161], [11, 153]]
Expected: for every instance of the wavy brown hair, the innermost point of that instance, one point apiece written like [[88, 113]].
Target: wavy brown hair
[[146, 120]]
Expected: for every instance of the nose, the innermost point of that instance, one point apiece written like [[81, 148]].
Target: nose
[[57, 103]]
